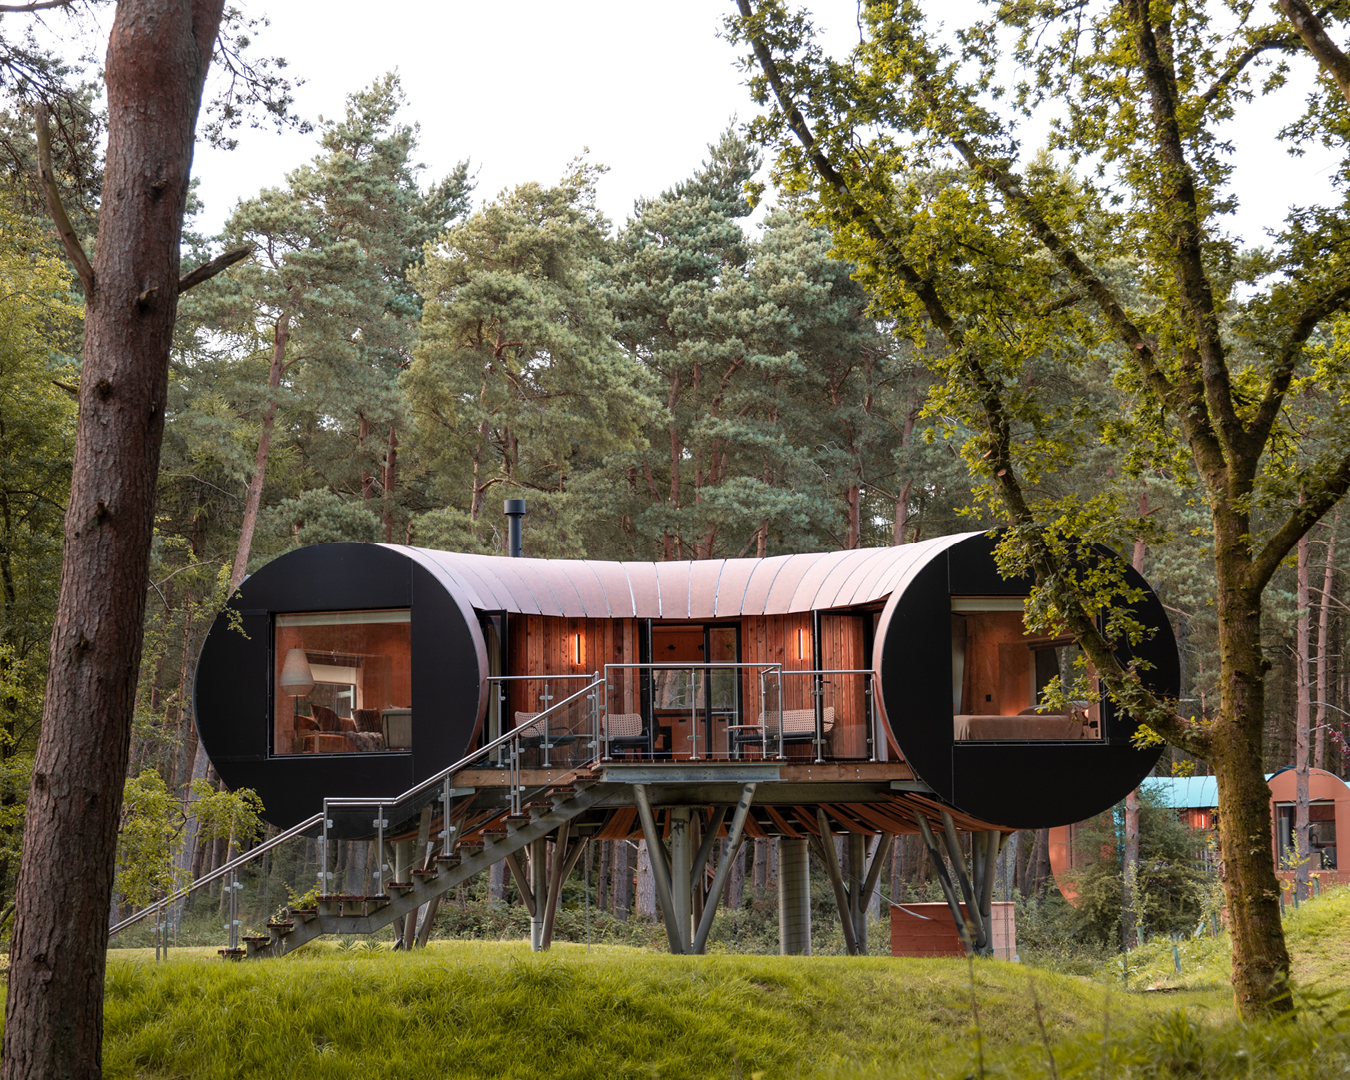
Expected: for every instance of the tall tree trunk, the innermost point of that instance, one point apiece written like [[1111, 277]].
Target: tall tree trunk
[[158, 53], [368, 481], [1260, 958], [735, 887], [646, 884], [902, 500], [390, 479], [622, 885], [1324, 646], [602, 890], [253, 500], [1302, 719]]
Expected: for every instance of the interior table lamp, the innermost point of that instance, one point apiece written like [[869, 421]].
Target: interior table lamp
[[296, 678]]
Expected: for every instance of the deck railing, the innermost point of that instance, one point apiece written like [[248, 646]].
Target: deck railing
[[697, 712], [826, 695]]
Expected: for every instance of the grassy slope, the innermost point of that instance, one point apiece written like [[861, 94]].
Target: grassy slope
[[467, 1009], [1319, 943]]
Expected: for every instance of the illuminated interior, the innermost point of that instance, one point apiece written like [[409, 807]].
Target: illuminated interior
[[1000, 674], [343, 682]]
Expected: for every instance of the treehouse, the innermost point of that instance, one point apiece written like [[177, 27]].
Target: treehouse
[[869, 692]]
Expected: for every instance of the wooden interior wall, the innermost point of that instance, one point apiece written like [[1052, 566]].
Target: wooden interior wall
[[998, 669], [772, 639]]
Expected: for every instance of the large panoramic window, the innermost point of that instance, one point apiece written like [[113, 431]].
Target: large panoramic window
[[343, 682], [1000, 674]]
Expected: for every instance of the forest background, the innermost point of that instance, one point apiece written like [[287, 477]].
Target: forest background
[[391, 362]]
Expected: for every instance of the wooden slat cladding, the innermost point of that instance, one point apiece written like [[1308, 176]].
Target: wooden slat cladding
[[542, 645]]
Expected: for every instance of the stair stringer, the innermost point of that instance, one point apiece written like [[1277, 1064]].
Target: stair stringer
[[307, 929]]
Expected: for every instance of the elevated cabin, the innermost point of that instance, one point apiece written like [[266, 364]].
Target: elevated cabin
[[872, 692]]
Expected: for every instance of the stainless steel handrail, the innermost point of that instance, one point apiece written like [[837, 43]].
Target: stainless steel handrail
[[321, 820], [219, 872]]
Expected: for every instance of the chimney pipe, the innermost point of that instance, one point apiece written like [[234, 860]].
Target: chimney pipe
[[514, 510]]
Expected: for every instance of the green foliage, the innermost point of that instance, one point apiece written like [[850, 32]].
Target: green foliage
[[39, 330], [518, 382], [233, 815], [152, 822], [150, 839], [1172, 892]]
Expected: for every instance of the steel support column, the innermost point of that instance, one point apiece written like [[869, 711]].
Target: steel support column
[[794, 897], [857, 902], [681, 862], [539, 887]]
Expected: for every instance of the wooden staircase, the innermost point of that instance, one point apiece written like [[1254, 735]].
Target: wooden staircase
[[503, 836]]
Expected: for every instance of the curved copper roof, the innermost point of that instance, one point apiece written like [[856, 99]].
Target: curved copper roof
[[714, 588]]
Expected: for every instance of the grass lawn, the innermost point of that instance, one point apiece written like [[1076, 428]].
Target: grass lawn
[[470, 1009]]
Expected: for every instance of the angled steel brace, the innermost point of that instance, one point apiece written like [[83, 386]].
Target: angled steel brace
[[958, 861], [522, 881], [656, 853], [729, 856], [930, 842], [837, 880], [563, 859]]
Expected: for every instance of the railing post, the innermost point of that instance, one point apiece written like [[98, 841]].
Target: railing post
[[447, 830], [513, 773], [763, 716], [870, 690], [323, 852], [233, 913], [604, 754], [693, 725], [781, 756], [379, 849], [818, 711], [504, 720]]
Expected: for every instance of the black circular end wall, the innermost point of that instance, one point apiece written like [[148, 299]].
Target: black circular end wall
[[232, 695], [1025, 785]]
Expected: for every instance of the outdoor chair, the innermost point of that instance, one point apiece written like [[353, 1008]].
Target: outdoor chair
[[537, 734], [799, 726], [624, 732]]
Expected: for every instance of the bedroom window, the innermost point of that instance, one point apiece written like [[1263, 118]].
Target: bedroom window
[[342, 682], [1000, 673]]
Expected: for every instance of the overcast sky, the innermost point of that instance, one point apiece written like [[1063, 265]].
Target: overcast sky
[[520, 89]]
